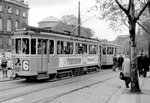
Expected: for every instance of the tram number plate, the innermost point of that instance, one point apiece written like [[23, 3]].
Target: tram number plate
[[17, 69]]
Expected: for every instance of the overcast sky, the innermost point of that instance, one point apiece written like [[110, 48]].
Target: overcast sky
[[39, 9]]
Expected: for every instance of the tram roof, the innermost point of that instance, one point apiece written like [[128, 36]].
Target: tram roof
[[112, 44], [30, 29]]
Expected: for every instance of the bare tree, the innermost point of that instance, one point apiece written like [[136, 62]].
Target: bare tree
[[69, 23]]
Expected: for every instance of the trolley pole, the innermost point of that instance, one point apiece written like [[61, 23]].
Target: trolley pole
[[79, 31]]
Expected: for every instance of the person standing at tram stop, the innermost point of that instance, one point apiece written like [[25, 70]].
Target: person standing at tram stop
[[120, 61], [4, 66], [140, 64], [145, 65], [114, 63], [126, 70]]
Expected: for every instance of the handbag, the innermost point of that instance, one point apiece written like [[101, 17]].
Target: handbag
[[121, 76]]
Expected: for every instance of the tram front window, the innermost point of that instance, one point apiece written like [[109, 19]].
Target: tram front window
[[104, 50], [42, 46], [22, 46], [33, 46], [18, 46], [25, 46]]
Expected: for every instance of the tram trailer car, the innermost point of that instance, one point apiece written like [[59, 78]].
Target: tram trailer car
[[108, 51], [43, 54]]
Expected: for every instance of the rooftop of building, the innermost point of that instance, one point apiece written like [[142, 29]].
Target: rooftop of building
[[18, 2], [50, 18], [122, 36]]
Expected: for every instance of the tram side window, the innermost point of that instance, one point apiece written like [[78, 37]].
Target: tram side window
[[68, 49], [93, 49], [59, 47], [64, 47], [12, 48], [104, 50], [51, 47], [42, 46], [18, 46], [110, 50], [115, 50], [81, 48], [33, 46], [100, 50], [45, 46], [25, 46]]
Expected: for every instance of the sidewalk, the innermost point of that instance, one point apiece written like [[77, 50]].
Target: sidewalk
[[144, 97], [9, 73]]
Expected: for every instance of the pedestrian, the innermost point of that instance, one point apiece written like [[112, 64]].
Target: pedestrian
[[115, 63], [145, 65], [120, 61], [126, 71], [140, 64], [4, 66]]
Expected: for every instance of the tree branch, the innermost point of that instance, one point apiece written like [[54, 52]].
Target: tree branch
[[129, 6], [143, 27], [125, 23], [148, 3], [126, 11]]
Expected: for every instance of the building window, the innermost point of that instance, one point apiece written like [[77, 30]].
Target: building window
[[17, 11], [1, 8], [24, 14], [9, 25], [1, 24], [17, 24], [9, 9]]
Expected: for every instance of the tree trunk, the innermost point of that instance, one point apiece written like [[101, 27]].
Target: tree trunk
[[134, 76]]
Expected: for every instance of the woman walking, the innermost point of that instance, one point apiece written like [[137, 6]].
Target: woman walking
[[126, 71]]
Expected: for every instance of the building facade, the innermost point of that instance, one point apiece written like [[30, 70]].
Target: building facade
[[13, 15]]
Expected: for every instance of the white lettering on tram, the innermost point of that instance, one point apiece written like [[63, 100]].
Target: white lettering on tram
[[73, 61]]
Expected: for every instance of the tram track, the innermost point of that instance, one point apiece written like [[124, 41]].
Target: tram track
[[51, 98], [26, 93], [26, 85]]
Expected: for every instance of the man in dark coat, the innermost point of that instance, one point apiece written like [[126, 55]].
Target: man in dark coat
[[140, 64], [114, 63], [120, 61], [145, 65]]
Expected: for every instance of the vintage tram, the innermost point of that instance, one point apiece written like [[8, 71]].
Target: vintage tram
[[108, 51], [43, 54]]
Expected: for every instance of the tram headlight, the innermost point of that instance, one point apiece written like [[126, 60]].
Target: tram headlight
[[25, 65]]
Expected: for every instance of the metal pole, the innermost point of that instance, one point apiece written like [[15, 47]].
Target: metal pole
[[79, 31]]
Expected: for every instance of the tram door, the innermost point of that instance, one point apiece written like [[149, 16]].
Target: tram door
[[42, 45]]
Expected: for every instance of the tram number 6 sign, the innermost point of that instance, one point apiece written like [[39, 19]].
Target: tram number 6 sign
[[25, 65]]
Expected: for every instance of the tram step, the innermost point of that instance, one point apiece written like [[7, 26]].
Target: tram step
[[43, 76]]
